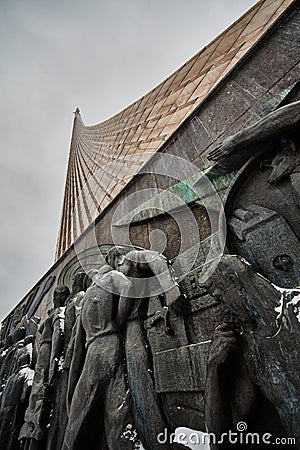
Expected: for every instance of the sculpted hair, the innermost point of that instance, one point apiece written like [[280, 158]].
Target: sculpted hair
[[114, 253]]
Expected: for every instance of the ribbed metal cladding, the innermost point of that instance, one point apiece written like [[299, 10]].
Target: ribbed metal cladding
[[105, 157]]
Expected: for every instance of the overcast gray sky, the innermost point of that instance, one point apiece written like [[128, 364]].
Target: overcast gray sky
[[55, 56]]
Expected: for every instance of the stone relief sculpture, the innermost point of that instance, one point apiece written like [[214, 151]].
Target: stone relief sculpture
[[15, 396], [5, 360], [33, 432], [128, 354], [237, 149], [57, 376], [264, 218], [73, 305], [148, 413], [260, 362], [36, 300], [98, 391], [30, 324], [251, 374], [9, 351]]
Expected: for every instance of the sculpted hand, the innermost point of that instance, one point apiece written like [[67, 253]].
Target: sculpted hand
[[223, 149], [175, 300], [179, 306], [224, 342]]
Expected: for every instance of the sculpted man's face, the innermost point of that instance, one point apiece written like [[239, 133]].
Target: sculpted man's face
[[23, 360], [60, 296], [123, 264]]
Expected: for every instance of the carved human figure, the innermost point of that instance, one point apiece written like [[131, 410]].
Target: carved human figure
[[237, 149], [73, 303], [264, 216], [33, 433], [287, 164], [31, 324], [57, 376], [2, 353], [81, 282], [100, 402], [16, 318], [60, 386], [8, 355], [241, 367], [143, 265], [15, 397]]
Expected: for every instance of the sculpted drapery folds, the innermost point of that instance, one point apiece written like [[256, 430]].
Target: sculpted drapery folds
[[143, 266], [15, 396], [34, 431], [253, 372], [101, 376], [97, 385]]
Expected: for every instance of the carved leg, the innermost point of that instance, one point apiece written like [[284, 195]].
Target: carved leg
[[85, 395], [36, 445], [118, 417], [295, 180], [100, 368], [147, 408]]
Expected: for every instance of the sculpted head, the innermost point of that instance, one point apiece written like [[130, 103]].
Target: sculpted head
[[116, 258], [78, 282], [284, 162], [18, 334], [90, 278], [60, 295], [23, 358]]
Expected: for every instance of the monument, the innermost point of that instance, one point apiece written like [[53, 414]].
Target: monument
[[171, 315]]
